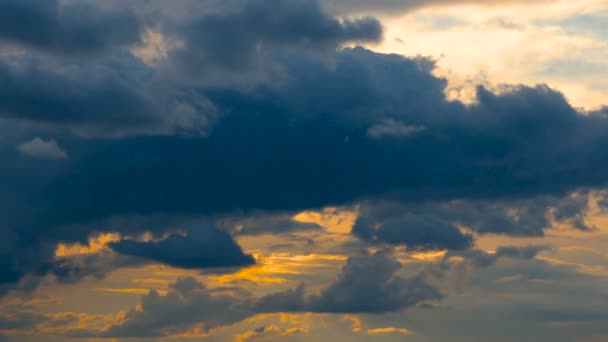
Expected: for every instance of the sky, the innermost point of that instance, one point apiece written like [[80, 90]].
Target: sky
[[303, 170]]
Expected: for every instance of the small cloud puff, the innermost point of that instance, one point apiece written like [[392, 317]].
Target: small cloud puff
[[42, 149]]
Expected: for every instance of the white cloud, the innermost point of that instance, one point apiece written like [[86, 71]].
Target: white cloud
[[41, 149]]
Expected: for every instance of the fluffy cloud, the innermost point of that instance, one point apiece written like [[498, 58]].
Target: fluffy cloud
[[189, 303], [42, 149], [367, 284]]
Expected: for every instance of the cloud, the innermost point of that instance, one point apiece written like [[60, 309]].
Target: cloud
[[367, 284], [234, 37], [527, 216], [415, 231], [73, 268], [204, 246], [524, 142], [41, 149], [267, 223], [267, 332], [394, 129], [74, 29], [302, 145], [187, 303], [480, 258], [85, 99], [400, 6]]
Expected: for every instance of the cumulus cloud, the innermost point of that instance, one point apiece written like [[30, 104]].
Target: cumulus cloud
[[42, 149], [188, 303], [367, 284]]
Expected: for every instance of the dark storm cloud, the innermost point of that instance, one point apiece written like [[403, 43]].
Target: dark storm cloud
[[203, 247], [234, 36], [319, 139], [72, 30], [306, 145], [415, 231], [367, 284]]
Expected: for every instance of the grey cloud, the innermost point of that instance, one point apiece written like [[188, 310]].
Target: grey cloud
[[415, 231], [367, 284], [266, 223], [234, 36], [73, 29], [188, 302], [42, 149], [86, 99], [73, 268], [528, 216], [479, 258], [116, 96]]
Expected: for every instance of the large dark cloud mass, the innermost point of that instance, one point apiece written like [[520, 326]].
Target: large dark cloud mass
[[318, 125]]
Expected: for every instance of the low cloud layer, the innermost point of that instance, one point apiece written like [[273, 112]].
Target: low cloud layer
[[190, 303]]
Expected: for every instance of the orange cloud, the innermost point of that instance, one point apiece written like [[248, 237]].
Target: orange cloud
[[333, 219], [268, 332], [95, 245]]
